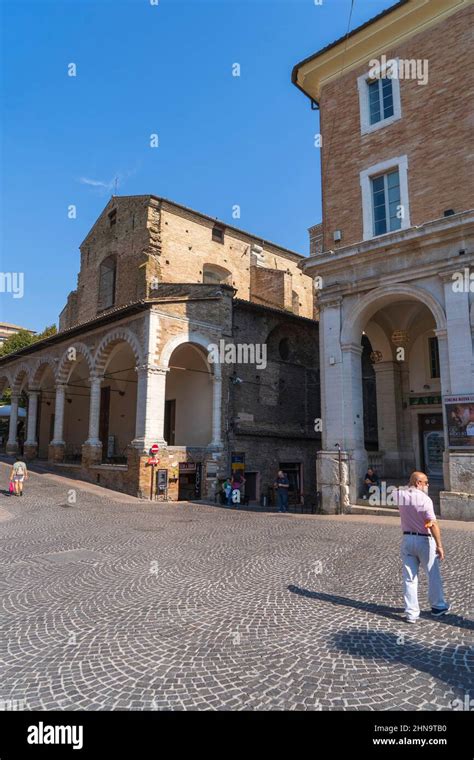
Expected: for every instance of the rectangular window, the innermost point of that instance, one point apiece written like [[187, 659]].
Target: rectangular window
[[434, 357], [380, 99], [218, 234], [386, 202]]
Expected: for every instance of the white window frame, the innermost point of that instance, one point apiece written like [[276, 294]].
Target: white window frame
[[400, 163], [364, 106]]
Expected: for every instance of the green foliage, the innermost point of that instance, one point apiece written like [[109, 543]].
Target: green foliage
[[23, 338]]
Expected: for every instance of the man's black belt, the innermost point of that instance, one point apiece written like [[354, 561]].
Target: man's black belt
[[410, 533]]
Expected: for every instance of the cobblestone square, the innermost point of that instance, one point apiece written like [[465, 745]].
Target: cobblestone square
[[113, 603]]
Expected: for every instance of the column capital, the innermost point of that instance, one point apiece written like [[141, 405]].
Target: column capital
[[151, 369], [352, 348], [33, 392], [331, 302]]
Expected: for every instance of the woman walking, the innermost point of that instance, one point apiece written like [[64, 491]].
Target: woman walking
[[18, 475]]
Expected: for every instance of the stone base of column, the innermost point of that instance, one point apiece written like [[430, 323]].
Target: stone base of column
[[30, 451], [91, 454], [458, 502], [331, 486], [11, 449], [456, 506], [56, 452]]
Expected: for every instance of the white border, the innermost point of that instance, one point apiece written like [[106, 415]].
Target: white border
[[365, 126], [400, 163]]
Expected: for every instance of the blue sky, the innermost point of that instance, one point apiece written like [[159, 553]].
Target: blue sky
[[144, 69]]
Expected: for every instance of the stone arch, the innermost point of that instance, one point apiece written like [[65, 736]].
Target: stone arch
[[66, 363], [39, 369], [376, 299], [192, 337], [5, 382], [20, 372], [109, 341]]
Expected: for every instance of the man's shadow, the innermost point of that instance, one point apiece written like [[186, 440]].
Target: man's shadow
[[452, 664], [394, 613]]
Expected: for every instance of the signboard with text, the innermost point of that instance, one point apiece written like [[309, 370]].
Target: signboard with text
[[460, 420]]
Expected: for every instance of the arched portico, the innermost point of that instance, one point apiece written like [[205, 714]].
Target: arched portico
[[399, 320]]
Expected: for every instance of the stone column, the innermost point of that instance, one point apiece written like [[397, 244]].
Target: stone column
[[353, 419], [57, 446], [12, 443], [389, 416], [333, 408], [150, 418], [92, 448], [31, 443], [216, 411], [458, 502], [459, 339]]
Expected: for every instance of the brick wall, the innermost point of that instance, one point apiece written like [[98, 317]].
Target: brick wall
[[435, 132]]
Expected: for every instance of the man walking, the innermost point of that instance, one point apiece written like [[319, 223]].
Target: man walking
[[421, 545], [282, 485]]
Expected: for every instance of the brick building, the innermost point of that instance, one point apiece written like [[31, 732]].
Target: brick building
[[395, 263], [131, 365]]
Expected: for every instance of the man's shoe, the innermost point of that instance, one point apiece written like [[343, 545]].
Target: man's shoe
[[440, 611], [409, 618]]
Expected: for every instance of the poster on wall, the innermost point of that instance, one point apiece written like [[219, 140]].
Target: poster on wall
[[460, 421], [237, 461]]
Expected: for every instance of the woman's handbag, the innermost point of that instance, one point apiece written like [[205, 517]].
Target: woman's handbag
[[11, 487]]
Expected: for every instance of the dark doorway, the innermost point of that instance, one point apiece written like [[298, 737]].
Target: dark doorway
[[251, 486], [369, 393], [104, 419], [189, 481], [170, 417], [292, 471]]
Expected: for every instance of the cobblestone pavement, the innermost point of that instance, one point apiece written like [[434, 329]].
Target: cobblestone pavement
[[116, 604]]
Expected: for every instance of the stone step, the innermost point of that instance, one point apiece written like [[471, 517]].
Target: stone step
[[356, 509]]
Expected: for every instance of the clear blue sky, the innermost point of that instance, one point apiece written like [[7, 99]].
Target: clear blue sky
[[145, 69]]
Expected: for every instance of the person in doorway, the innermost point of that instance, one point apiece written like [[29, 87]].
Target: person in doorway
[[238, 482], [371, 479], [282, 486], [421, 545], [18, 475], [227, 488]]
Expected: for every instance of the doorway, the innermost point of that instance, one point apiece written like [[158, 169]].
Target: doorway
[[189, 481], [293, 471], [431, 444]]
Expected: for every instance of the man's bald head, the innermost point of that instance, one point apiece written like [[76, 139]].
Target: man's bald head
[[418, 480]]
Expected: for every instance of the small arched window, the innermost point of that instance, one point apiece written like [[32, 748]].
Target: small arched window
[[107, 277], [215, 275]]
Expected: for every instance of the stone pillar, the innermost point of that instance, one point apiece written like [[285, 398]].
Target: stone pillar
[[458, 502], [150, 418], [31, 443], [57, 446], [216, 411], [459, 339], [353, 419], [92, 448], [389, 416], [12, 443]]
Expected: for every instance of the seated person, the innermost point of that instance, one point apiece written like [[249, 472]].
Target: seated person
[[371, 479]]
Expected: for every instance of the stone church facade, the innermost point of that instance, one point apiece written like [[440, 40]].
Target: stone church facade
[[159, 284]]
